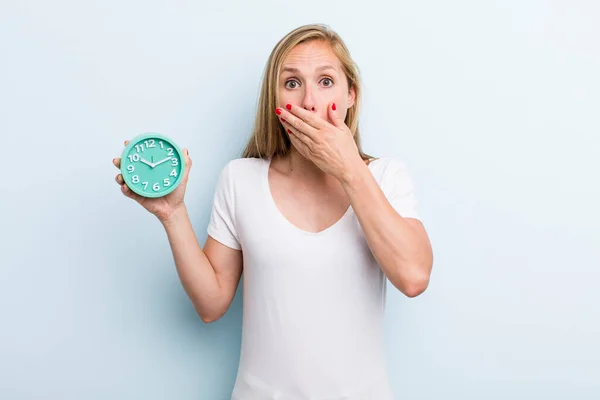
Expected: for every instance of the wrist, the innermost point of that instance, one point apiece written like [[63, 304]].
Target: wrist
[[173, 216], [354, 173]]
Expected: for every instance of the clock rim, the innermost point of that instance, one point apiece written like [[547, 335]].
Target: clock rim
[[152, 135]]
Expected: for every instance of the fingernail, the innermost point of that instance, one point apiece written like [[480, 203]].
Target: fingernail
[[333, 107], [282, 120], [289, 131], [278, 111], [288, 106]]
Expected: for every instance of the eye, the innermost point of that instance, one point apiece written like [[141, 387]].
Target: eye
[[291, 84], [327, 82]]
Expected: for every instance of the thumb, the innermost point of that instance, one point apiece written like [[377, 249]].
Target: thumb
[[188, 165], [335, 116]]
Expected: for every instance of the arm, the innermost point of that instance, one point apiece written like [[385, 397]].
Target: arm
[[209, 277], [400, 245]]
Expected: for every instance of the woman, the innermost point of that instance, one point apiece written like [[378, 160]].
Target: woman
[[315, 224]]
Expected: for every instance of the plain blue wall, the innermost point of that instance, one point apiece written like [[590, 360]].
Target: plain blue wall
[[493, 105]]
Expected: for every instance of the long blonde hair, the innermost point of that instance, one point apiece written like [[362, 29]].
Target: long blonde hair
[[268, 137]]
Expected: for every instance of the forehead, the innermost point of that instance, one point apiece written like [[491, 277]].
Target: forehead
[[315, 53]]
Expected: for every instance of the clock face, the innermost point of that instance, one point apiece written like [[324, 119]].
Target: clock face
[[152, 165]]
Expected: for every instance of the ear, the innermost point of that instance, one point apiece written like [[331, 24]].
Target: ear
[[351, 96]]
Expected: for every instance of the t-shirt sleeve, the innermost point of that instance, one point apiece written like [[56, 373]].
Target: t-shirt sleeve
[[399, 189], [221, 226]]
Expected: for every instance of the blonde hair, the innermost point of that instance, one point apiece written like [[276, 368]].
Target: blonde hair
[[268, 137]]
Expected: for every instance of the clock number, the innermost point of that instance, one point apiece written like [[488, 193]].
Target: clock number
[[150, 143], [134, 157], [145, 185], [166, 182], [173, 173], [169, 151], [156, 187], [174, 162], [161, 144], [135, 179], [138, 147], [130, 168]]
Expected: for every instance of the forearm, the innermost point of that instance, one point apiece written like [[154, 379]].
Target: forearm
[[402, 252], [197, 275]]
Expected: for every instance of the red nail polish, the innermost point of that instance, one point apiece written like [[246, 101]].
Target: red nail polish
[[289, 106], [278, 111], [333, 107], [282, 120], [289, 131]]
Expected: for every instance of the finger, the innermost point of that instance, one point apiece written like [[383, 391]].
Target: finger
[[299, 144], [119, 179], [188, 164], [298, 124], [301, 141], [308, 117], [131, 194], [335, 116], [117, 162], [126, 191], [291, 129]]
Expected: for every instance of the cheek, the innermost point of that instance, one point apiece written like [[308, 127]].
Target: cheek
[[289, 96], [338, 96]]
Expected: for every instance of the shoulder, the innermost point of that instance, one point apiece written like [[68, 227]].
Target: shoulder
[[385, 168], [395, 181], [242, 168], [241, 173], [247, 162]]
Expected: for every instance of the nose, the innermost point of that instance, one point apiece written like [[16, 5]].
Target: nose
[[308, 102]]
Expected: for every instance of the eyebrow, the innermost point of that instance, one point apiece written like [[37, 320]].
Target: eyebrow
[[296, 70]]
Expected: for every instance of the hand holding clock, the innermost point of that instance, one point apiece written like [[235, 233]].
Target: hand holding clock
[[165, 205]]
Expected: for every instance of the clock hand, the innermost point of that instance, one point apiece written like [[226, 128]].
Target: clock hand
[[152, 165], [162, 161]]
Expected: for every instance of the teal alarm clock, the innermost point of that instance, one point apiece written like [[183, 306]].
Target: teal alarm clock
[[152, 165]]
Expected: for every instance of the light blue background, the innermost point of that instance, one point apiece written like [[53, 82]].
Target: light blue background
[[493, 105]]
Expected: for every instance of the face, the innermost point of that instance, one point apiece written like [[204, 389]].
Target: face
[[312, 77]]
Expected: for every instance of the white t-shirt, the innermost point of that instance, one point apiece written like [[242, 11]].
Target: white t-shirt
[[313, 303]]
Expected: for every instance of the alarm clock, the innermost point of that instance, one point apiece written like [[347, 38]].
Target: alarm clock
[[152, 165]]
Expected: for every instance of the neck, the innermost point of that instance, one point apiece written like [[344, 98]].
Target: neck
[[295, 164]]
